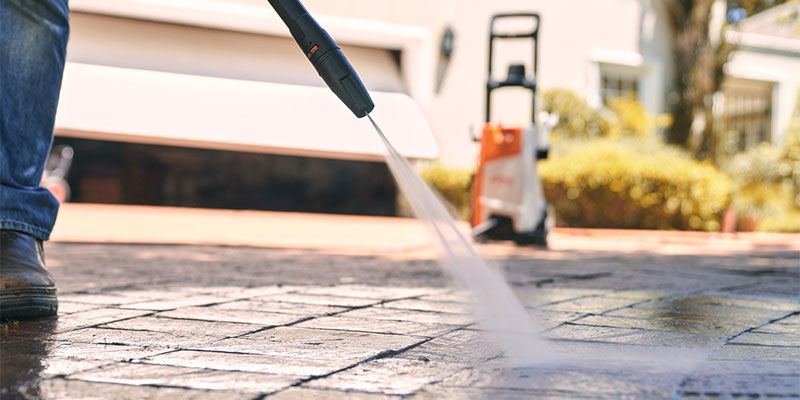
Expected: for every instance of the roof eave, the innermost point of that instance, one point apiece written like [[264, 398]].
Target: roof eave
[[756, 40]]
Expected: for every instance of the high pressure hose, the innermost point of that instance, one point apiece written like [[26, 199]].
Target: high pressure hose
[[325, 56]]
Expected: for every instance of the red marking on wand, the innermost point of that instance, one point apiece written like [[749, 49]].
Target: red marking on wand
[[313, 50]]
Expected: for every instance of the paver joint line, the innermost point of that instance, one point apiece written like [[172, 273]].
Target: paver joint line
[[728, 395], [262, 329], [97, 325], [347, 309], [762, 345], [612, 326], [204, 369], [127, 384], [380, 355], [752, 328]]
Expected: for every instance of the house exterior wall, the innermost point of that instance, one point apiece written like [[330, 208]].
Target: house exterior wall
[[395, 47]]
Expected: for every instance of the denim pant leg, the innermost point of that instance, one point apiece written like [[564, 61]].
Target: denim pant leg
[[33, 41]]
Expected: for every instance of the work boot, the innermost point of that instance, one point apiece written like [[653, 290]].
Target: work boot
[[26, 288]]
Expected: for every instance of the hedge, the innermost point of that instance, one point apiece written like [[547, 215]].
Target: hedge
[[608, 183]]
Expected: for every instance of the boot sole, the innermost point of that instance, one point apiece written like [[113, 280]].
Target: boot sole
[[31, 302]]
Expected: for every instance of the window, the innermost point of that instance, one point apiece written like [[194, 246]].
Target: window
[[747, 113], [612, 73], [617, 85]]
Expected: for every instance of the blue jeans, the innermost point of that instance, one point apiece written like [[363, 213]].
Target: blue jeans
[[33, 41]]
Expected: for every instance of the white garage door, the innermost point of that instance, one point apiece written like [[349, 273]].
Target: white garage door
[[173, 84]]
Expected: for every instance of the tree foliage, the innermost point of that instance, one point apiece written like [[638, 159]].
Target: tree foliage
[[740, 9]]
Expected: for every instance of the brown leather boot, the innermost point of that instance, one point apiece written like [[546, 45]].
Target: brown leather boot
[[26, 288]]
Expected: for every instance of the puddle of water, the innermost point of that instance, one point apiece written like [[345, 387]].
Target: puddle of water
[[23, 348], [500, 311]]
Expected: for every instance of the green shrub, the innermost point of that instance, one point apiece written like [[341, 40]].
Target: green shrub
[[453, 184], [633, 184]]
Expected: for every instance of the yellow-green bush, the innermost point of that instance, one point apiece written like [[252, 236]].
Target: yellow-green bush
[[762, 181], [623, 117], [784, 223], [453, 184], [631, 119], [632, 184], [576, 118]]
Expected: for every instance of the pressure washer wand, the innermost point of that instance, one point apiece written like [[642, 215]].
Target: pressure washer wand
[[326, 57]]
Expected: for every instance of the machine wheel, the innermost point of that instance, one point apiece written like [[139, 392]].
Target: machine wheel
[[535, 238], [538, 237], [500, 228]]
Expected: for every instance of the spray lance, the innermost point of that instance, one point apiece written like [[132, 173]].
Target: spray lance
[[459, 258], [326, 57]]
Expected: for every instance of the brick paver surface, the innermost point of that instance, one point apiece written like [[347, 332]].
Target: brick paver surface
[[181, 321]]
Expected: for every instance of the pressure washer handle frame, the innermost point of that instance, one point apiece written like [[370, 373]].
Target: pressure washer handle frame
[[529, 84]]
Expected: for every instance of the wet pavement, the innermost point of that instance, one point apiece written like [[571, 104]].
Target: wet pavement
[[181, 321]]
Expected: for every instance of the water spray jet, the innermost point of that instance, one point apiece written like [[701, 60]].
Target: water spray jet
[[498, 309]]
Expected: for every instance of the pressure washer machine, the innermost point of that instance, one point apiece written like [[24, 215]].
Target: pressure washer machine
[[507, 197]]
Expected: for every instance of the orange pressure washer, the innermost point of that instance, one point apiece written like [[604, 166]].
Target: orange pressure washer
[[507, 198]]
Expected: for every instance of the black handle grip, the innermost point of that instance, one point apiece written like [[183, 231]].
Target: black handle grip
[[521, 80], [325, 56], [533, 33]]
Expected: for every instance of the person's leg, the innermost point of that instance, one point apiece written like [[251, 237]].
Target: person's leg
[[33, 37]]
